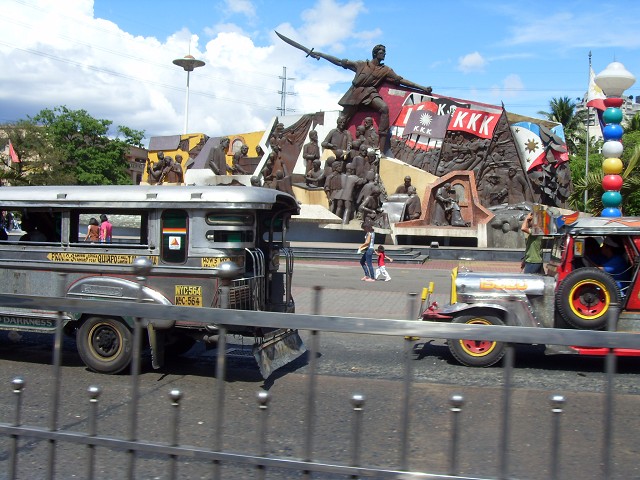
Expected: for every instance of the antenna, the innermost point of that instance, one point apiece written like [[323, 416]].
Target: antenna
[[283, 93]]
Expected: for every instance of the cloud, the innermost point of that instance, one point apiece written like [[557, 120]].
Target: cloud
[[51, 57], [472, 62], [511, 87], [244, 7]]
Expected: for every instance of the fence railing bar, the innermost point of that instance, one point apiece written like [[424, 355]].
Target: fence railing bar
[[610, 369], [357, 402], [175, 396], [263, 405], [405, 419], [557, 404], [134, 395], [456, 402], [206, 315], [314, 347], [503, 448], [18, 387], [57, 380], [221, 368], [94, 394]]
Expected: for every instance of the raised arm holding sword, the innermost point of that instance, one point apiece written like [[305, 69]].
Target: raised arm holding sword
[[369, 75]]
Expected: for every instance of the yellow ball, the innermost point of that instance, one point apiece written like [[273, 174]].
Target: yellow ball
[[612, 166]]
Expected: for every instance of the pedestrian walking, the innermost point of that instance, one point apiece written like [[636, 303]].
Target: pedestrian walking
[[382, 269], [366, 261], [93, 231], [105, 229]]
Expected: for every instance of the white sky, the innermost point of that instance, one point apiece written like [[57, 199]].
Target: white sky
[[113, 58]]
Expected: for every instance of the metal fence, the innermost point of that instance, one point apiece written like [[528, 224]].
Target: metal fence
[[258, 462]]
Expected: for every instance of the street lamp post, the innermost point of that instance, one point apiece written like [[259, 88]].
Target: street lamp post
[[189, 64], [613, 80]]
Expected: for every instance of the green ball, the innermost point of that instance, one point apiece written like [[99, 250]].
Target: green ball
[[612, 115]]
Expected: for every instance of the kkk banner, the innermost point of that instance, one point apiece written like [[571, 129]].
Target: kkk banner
[[426, 124], [407, 110], [476, 122], [446, 106]]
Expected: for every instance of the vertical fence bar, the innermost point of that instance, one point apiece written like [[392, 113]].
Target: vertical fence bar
[[175, 395], [57, 374], [557, 403], [357, 401], [456, 402], [406, 390], [263, 405], [506, 412], [610, 369], [141, 268], [221, 366], [94, 393], [311, 390], [18, 385]]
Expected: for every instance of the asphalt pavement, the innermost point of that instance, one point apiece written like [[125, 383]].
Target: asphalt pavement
[[343, 293]]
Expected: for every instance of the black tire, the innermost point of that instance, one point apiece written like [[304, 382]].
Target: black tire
[[477, 353], [105, 344], [585, 296]]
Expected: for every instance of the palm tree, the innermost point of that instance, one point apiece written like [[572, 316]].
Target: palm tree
[[563, 110], [633, 124]]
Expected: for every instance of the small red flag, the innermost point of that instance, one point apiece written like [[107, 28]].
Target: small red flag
[[13, 154]]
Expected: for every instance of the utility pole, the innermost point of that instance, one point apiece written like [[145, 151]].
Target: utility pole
[[283, 93]]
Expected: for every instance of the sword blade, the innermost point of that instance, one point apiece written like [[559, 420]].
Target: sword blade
[[293, 43]]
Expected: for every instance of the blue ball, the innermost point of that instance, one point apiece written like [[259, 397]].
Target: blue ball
[[611, 199], [612, 131], [611, 212]]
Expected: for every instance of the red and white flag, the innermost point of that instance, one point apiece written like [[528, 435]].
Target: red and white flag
[[13, 154], [595, 95]]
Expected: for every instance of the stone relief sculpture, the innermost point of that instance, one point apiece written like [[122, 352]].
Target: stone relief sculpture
[[413, 205], [217, 160], [311, 150], [447, 210]]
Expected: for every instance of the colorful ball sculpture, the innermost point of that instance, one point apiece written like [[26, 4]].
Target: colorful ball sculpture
[[613, 80]]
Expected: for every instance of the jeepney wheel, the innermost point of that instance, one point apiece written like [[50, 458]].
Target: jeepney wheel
[[477, 353], [584, 297], [105, 344]]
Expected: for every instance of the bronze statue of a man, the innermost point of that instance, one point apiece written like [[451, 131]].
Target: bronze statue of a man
[[363, 93]]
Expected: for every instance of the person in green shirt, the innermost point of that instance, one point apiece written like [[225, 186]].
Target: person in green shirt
[[532, 261]]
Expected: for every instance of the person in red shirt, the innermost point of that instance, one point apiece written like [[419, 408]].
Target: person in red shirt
[[105, 229], [382, 269]]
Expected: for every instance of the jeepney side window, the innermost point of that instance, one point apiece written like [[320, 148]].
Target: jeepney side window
[[40, 226], [129, 229], [230, 229], [174, 227]]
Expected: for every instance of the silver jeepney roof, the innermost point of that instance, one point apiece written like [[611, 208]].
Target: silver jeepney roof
[[597, 226], [132, 196]]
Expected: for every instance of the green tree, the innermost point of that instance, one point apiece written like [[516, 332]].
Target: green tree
[[40, 164], [633, 124], [563, 111], [60, 146]]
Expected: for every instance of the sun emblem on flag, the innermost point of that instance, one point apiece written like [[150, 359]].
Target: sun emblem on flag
[[425, 119], [531, 145]]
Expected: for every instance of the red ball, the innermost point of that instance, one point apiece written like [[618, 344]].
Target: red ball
[[612, 182]]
